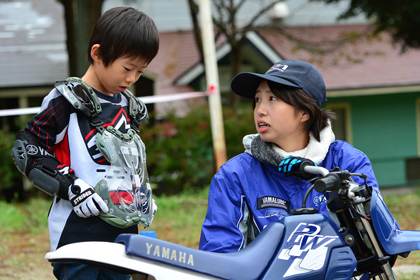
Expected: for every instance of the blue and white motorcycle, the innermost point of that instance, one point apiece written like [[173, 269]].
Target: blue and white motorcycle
[[305, 245]]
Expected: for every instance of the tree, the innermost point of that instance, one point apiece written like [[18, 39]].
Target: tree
[[400, 18], [80, 17], [225, 21]]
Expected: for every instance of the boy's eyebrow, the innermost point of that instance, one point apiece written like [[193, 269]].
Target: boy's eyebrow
[[135, 65]]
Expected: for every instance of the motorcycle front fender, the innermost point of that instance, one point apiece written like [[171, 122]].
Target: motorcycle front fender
[[393, 240]]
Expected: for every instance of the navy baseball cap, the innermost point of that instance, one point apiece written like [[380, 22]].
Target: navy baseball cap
[[294, 73]]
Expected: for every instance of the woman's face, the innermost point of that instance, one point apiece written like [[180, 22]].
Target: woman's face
[[279, 122]]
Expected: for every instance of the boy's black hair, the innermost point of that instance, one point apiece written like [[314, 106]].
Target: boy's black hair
[[124, 32], [298, 98]]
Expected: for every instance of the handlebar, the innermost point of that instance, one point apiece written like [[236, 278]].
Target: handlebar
[[335, 180], [317, 170], [330, 181]]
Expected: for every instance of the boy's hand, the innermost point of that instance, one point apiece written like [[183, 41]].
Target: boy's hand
[[290, 166], [86, 202]]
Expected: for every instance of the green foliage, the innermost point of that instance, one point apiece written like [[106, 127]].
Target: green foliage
[[180, 153], [399, 18], [238, 122], [9, 175]]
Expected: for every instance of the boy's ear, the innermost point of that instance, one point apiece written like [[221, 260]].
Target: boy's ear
[[95, 53]]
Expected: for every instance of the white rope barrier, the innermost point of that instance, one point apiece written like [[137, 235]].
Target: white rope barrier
[[145, 99]]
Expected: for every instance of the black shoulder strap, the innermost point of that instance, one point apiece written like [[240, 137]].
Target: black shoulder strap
[[82, 97], [137, 110]]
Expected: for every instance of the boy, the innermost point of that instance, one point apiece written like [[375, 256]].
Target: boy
[[123, 43]]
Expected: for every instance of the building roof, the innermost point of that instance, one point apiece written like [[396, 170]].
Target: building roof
[[33, 52], [177, 53], [32, 43], [171, 16], [365, 63], [368, 62]]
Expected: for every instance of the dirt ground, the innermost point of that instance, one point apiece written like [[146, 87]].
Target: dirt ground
[[22, 257]]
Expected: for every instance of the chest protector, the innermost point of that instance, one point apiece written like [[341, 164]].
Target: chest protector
[[125, 189]]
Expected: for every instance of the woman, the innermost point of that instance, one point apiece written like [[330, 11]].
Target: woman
[[256, 187]]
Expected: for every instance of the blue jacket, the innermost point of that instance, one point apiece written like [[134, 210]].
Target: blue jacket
[[247, 194]]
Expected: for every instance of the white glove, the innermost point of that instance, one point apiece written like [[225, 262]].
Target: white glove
[[154, 210], [86, 202]]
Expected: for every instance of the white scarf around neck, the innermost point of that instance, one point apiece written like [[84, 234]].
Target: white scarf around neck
[[315, 151]]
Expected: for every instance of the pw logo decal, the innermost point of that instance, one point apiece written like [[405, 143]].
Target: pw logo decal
[[306, 248]]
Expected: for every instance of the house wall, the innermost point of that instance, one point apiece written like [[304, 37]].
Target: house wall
[[385, 128]]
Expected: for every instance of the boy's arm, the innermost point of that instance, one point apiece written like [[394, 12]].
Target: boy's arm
[[33, 152], [33, 156], [40, 167]]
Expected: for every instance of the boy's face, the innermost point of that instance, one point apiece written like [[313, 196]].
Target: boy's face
[[117, 76]]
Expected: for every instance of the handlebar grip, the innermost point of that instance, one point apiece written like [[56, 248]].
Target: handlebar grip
[[330, 183], [303, 173]]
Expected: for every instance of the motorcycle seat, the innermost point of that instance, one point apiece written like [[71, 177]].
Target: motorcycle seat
[[249, 263]]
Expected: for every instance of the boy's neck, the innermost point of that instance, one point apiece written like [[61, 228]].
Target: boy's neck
[[114, 97], [92, 80]]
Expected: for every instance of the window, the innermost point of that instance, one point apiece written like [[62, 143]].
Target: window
[[413, 164], [341, 125], [413, 169]]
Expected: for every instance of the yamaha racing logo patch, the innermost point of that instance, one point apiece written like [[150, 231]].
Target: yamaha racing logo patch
[[307, 249], [273, 202]]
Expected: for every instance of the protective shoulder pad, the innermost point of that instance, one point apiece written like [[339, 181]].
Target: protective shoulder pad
[[80, 95], [138, 110]]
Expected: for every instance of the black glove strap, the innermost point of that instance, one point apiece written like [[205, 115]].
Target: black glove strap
[[81, 197]]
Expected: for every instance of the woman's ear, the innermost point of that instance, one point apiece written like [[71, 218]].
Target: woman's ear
[[304, 116], [95, 53]]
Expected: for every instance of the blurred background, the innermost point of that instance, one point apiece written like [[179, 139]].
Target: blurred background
[[367, 51]]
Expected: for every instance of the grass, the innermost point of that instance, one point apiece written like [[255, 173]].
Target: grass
[[31, 216], [405, 209], [178, 220]]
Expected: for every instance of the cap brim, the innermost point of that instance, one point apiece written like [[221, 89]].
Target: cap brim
[[246, 84]]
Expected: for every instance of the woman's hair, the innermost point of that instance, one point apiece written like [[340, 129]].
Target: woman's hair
[[298, 98], [124, 32]]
